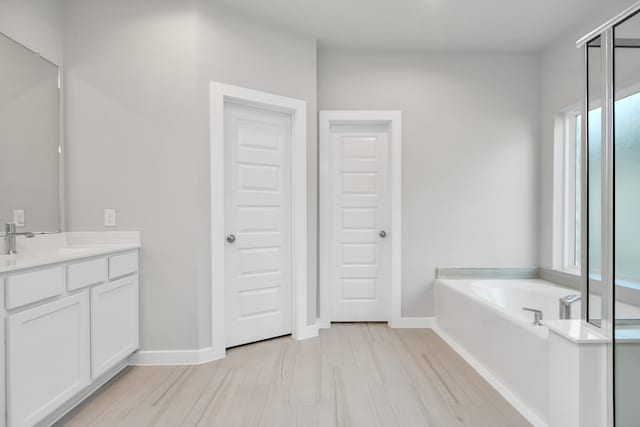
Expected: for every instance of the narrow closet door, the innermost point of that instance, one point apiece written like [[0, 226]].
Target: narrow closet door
[[360, 246]]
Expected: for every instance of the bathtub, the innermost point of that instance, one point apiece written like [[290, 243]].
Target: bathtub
[[483, 320], [512, 295]]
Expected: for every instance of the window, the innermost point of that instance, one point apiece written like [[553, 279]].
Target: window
[[569, 186], [567, 189], [570, 124], [577, 214], [627, 184]]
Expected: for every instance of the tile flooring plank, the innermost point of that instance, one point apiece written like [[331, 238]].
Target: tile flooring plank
[[352, 375]]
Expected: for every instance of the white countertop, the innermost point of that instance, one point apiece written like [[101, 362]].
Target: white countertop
[[575, 330], [61, 247], [578, 332]]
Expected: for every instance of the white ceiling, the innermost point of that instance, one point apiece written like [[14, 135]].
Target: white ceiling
[[418, 25]]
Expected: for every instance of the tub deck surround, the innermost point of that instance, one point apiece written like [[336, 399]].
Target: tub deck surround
[[502, 344], [563, 278], [577, 331], [554, 374], [577, 374], [462, 273]]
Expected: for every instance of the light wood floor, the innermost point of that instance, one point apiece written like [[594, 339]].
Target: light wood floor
[[352, 375]]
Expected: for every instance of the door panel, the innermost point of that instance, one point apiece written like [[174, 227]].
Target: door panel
[[359, 255], [257, 200], [47, 357], [114, 323]]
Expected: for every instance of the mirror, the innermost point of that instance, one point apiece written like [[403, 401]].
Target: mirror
[[29, 140]]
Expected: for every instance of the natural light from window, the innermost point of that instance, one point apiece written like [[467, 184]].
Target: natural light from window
[[627, 182]]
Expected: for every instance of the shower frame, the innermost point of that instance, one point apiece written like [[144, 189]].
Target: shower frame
[[607, 45]]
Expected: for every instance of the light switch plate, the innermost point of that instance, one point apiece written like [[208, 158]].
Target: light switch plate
[[109, 217], [18, 217]]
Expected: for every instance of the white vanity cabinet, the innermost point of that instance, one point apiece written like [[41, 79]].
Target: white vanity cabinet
[[69, 327], [47, 357], [114, 323]]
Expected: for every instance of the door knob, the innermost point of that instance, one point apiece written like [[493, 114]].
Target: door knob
[[231, 238], [382, 234]]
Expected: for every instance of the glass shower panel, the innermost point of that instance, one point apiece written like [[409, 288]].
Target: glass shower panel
[[594, 182], [627, 222], [577, 244]]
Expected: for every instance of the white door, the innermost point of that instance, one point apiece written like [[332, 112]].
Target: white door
[[257, 222], [360, 248]]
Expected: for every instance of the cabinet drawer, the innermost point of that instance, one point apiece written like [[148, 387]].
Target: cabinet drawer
[[26, 288], [86, 273], [121, 265]]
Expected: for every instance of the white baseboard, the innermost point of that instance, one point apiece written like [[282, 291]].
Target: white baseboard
[[413, 322], [175, 357], [310, 331], [323, 324], [401, 323], [520, 406], [196, 357]]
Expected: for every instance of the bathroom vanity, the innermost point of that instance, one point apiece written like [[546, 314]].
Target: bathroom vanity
[[69, 305], [68, 301]]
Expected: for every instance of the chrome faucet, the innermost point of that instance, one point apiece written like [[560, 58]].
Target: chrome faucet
[[537, 315], [10, 237], [565, 305]]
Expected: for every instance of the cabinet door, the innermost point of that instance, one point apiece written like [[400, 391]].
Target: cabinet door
[[114, 323], [47, 358]]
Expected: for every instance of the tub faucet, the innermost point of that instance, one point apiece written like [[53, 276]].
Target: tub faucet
[[10, 237], [537, 315], [565, 305]]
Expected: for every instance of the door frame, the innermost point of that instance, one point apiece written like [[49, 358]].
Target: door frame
[[219, 94], [394, 120]]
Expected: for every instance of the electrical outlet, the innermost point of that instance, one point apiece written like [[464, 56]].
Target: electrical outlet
[[18, 217], [109, 217]]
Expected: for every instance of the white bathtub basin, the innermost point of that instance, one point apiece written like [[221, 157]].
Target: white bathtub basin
[[513, 295]]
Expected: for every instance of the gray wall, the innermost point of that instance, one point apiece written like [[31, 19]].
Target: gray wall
[[470, 154], [238, 51], [36, 24], [562, 86], [138, 142], [137, 135]]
